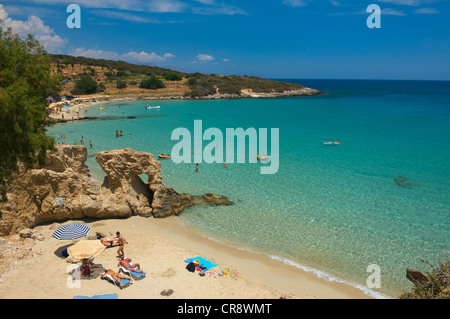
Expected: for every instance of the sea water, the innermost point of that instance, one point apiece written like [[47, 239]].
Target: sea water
[[381, 197]]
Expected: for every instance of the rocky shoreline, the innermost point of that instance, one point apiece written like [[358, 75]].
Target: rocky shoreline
[[138, 97], [63, 189], [244, 95]]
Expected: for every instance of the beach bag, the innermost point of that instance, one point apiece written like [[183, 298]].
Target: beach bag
[[190, 267]]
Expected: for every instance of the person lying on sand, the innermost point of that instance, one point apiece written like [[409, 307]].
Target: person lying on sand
[[109, 242], [115, 276], [126, 262]]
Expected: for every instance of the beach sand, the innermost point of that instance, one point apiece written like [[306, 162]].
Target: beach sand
[[161, 246]]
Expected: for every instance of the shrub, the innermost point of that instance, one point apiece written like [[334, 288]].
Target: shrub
[[85, 85], [435, 285], [151, 83], [172, 76], [120, 84], [101, 87], [121, 73]]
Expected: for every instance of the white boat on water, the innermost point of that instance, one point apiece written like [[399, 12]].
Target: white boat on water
[[152, 107]]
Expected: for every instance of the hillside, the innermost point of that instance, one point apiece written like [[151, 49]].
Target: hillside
[[122, 78]]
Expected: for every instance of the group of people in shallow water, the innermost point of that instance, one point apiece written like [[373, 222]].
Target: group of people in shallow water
[[120, 133], [118, 241]]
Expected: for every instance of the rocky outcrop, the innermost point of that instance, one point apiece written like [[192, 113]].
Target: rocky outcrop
[[63, 189], [249, 94], [124, 189]]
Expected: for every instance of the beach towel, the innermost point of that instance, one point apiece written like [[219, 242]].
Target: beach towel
[[203, 262], [134, 274], [108, 296], [125, 282]]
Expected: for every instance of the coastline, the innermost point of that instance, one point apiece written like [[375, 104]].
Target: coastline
[[266, 264], [161, 246], [96, 99]]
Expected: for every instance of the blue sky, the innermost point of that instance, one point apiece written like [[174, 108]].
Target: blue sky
[[314, 39]]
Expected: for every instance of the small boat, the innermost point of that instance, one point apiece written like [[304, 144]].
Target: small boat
[[99, 108], [262, 156], [164, 156], [152, 107], [331, 143]]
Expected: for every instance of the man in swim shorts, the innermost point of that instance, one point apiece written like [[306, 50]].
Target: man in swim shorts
[[122, 243], [126, 262]]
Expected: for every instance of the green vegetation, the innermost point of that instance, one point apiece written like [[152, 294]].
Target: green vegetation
[[435, 285], [120, 84], [202, 84], [110, 65], [85, 85], [172, 76], [25, 83], [121, 73], [101, 87], [151, 83], [199, 84]]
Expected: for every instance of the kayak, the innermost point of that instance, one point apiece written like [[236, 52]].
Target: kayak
[[152, 107], [164, 156]]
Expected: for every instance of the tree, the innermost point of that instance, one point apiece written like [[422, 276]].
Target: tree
[[25, 79], [120, 84], [172, 76], [85, 85], [151, 83]]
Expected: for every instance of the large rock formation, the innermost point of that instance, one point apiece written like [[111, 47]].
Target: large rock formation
[[63, 189]]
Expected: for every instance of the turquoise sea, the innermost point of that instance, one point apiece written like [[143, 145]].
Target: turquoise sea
[[382, 196]]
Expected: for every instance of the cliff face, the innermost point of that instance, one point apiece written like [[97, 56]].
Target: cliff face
[[63, 189]]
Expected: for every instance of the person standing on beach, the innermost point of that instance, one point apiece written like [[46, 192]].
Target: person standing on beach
[[122, 241]]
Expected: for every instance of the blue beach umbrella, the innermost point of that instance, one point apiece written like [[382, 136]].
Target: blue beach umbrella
[[71, 231]]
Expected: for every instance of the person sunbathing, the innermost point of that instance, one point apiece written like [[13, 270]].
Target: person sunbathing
[[115, 276], [126, 263], [109, 242]]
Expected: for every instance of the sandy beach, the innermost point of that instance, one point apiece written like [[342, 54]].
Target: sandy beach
[[74, 109], [160, 246]]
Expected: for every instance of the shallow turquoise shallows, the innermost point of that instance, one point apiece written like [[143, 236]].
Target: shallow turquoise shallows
[[382, 196]]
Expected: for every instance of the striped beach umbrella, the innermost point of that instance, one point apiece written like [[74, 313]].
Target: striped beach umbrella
[[71, 231]]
